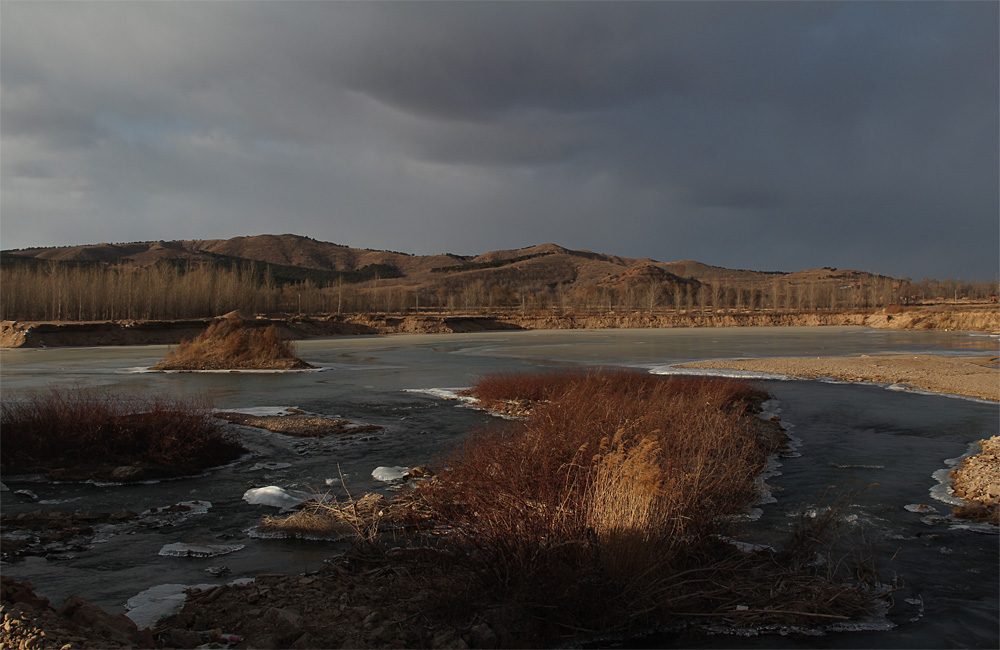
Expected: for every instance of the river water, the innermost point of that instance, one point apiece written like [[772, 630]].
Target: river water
[[850, 436]]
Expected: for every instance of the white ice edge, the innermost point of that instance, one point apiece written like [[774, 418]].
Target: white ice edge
[[262, 411], [199, 507], [143, 370], [443, 393], [150, 605], [180, 549], [269, 466], [672, 369], [942, 491]]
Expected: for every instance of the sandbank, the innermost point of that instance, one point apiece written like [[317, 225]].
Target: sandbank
[[977, 376]]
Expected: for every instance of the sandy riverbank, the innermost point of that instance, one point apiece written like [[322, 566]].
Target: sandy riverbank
[[969, 376]]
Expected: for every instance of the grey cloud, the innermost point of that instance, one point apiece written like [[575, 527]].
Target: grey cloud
[[761, 135]]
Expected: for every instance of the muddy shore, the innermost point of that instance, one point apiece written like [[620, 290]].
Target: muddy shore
[[968, 376], [18, 334]]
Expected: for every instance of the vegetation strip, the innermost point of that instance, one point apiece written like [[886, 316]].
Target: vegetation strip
[[79, 435]]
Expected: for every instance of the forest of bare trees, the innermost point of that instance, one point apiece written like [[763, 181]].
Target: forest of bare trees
[[87, 293]]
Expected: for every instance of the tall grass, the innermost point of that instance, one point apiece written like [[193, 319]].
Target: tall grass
[[91, 433], [230, 343], [604, 508]]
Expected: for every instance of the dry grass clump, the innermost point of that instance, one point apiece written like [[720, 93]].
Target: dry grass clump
[[359, 520], [603, 510], [82, 434], [322, 518], [230, 343]]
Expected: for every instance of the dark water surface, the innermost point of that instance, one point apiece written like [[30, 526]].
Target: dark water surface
[[852, 436]]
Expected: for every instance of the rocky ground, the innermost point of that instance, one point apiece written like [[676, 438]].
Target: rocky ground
[[978, 480], [298, 424], [28, 622], [970, 376], [399, 601]]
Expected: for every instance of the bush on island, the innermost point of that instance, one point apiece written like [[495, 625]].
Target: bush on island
[[231, 344], [78, 434]]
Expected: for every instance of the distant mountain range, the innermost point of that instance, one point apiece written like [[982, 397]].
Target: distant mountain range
[[292, 258]]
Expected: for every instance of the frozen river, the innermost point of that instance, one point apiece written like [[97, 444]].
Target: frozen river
[[850, 436]]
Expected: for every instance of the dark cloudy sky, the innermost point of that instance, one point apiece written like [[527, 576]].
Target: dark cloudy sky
[[768, 136]]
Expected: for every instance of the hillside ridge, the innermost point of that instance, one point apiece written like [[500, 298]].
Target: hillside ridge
[[557, 263]]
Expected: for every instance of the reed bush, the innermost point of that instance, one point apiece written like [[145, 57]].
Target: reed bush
[[89, 434], [616, 489], [229, 343]]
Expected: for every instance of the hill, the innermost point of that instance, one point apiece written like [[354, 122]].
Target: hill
[[542, 265], [290, 273]]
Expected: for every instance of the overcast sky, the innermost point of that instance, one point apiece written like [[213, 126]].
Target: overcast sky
[[766, 136]]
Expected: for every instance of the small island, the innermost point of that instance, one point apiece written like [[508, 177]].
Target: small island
[[230, 343]]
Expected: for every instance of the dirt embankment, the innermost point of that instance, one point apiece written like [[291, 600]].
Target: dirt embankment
[[15, 334]]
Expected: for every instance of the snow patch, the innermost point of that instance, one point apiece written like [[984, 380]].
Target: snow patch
[[149, 606], [279, 497], [389, 474], [444, 393], [672, 369]]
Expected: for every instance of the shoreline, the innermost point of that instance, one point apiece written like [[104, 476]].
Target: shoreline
[[972, 376], [42, 334]]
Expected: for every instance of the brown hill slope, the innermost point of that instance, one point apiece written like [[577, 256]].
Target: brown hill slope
[[535, 266]]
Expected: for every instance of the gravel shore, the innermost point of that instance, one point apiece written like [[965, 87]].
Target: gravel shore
[[969, 376]]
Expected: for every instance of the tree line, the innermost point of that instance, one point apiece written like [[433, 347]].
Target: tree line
[[54, 291]]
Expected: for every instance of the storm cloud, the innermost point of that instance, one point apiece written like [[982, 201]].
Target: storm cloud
[[768, 136]]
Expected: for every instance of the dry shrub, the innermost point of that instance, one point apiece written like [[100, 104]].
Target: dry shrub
[[230, 343], [326, 517], [84, 430], [604, 508]]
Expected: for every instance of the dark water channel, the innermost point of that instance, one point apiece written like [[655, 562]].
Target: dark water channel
[[851, 436]]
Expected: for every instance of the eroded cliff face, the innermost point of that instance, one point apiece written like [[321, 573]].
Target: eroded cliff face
[[17, 334]]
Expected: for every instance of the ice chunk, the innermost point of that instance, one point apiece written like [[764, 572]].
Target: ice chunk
[[717, 372], [921, 508], [443, 393], [179, 549], [147, 607], [389, 474], [269, 466], [279, 497], [266, 410]]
